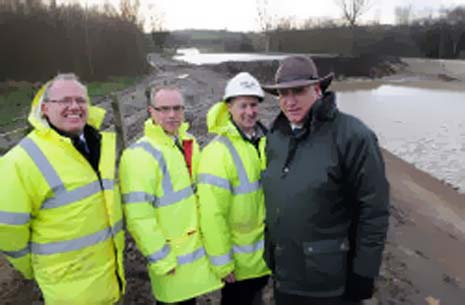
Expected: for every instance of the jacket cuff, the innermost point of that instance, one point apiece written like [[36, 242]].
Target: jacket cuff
[[164, 266], [223, 271]]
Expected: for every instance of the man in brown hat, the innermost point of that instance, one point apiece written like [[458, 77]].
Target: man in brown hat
[[326, 194]]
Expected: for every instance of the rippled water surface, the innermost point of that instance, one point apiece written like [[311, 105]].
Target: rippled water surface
[[424, 127]]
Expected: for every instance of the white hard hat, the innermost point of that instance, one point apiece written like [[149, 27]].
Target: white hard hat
[[243, 84]]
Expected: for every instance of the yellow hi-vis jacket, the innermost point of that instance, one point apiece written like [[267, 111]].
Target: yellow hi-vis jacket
[[232, 208], [162, 214], [59, 222]]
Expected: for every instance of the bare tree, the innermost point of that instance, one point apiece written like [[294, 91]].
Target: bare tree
[[157, 18], [130, 10], [403, 14], [285, 24], [352, 10], [109, 9], [266, 21], [264, 17], [88, 44], [456, 21]]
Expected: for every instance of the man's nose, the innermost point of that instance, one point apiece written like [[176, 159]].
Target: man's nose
[[290, 98], [172, 112], [250, 110], [74, 103]]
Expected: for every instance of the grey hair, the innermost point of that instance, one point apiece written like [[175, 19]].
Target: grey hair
[[155, 90], [58, 77]]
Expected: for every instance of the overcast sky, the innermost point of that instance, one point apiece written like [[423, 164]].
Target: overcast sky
[[241, 15]]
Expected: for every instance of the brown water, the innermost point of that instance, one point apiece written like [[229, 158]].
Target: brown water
[[425, 127]]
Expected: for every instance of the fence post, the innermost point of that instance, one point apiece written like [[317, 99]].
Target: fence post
[[119, 121]]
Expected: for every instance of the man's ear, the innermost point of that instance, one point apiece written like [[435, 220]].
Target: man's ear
[[317, 89], [44, 109], [230, 103], [151, 112]]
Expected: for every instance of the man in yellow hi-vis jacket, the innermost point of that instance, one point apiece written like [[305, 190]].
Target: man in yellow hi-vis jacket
[[231, 198], [157, 176], [60, 211]]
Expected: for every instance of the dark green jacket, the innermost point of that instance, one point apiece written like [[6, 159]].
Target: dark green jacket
[[327, 201]]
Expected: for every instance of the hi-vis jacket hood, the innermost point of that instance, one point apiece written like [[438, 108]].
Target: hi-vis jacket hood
[[219, 120], [231, 198], [37, 120]]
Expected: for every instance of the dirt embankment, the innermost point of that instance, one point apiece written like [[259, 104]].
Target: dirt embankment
[[423, 261]]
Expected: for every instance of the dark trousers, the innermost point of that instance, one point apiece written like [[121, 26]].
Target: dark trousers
[[246, 292], [186, 302], [288, 299]]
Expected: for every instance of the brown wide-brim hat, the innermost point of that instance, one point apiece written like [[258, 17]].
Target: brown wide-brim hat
[[297, 71]]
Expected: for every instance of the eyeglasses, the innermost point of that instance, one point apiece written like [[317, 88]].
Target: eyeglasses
[[168, 109], [68, 101], [293, 91]]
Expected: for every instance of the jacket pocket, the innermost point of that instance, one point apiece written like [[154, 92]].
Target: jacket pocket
[[325, 264]]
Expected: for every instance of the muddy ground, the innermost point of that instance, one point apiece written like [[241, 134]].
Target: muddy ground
[[423, 261]]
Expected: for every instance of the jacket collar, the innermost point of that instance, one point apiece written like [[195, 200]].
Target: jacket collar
[[157, 134], [259, 128]]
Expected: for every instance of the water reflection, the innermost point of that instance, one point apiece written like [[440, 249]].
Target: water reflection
[[193, 56], [424, 127]]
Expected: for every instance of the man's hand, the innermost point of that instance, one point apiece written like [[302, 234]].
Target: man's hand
[[230, 278], [358, 288]]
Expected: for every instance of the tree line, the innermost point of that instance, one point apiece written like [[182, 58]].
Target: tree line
[[39, 40], [434, 37], [441, 36]]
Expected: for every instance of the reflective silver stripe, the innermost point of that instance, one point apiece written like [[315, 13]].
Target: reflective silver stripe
[[118, 227], [67, 197], [245, 186], [157, 155], [77, 243], [249, 248], [61, 195], [169, 195], [17, 254], [44, 166], [159, 255], [13, 218], [220, 260], [191, 257], [134, 197], [215, 181], [174, 197]]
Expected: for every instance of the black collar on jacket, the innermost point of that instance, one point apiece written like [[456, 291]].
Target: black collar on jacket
[[260, 131], [93, 142]]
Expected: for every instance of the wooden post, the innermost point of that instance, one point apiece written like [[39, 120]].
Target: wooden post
[[119, 121], [148, 92]]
